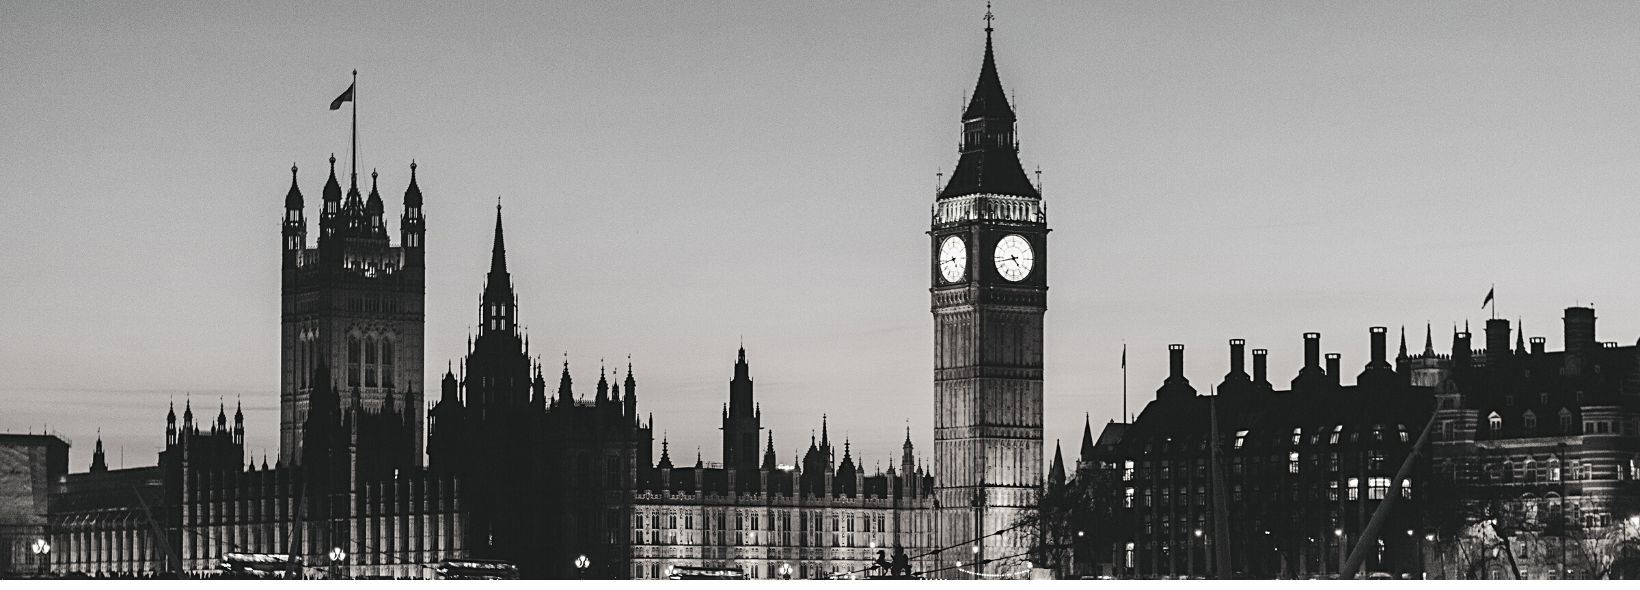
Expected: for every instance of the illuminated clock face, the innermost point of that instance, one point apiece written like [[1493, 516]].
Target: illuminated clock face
[[1014, 257], [953, 259]]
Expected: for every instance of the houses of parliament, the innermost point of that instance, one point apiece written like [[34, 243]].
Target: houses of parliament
[[509, 469]]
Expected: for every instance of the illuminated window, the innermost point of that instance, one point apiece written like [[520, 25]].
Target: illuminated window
[[1406, 489], [1355, 488], [1127, 498], [1495, 422], [1292, 462], [1377, 488], [1375, 460], [1298, 435], [1127, 471], [1337, 430], [1241, 438]]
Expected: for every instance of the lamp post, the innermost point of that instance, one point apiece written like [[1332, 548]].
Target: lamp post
[[1343, 549], [338, 559], [1193, 547], [42, 554], [785, 571], [581, 565]]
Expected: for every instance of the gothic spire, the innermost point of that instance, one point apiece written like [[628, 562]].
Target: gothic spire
[[1403, 353], [498, 250], [499, 302], [99, 463], [565, 398], [412, 194], [1429, 340], [989, 163], [333, 190], [1087, 438], [1056, 475], [293, 199]]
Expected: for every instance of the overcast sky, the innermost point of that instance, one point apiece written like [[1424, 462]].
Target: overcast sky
[[678, 176]]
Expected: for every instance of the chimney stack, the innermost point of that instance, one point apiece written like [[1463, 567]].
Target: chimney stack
[[1175, 360], [1537, 344], [1312, 349], [1580, 329], [1332, 367], [1261, 366], [1379, 347], [1237, 359]]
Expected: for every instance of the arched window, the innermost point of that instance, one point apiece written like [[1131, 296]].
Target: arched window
[[1495, 422], [1554, 469], [1566, 425], [355, 354], [387, 362], [370, 360], [1529, 472]]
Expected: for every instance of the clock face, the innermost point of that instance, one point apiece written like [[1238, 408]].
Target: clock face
[[1014, 257], [953, 259]]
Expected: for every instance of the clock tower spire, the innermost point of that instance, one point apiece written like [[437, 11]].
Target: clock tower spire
[[989, 291]]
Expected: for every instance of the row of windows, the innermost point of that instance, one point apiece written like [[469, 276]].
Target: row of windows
[[1375, 459], [754, 521], [1377, 488]]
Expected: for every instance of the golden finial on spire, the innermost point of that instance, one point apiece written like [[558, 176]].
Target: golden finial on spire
[[988, 17]]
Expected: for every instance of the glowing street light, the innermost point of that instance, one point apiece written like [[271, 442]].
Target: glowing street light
[[785, 571], [41, 550], [975, 549], [1338, 532], [581, 565], [337, 558], [1198, 532]]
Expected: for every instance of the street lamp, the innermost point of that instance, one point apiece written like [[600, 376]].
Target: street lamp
[[42, 553], [785, 571], [337, 559], [581, 565]]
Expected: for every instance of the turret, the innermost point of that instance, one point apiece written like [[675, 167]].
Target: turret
[[449, 388], [603, 389], [768, 454], [373, 210], [330, 215], [295, 224], [1580, 329], [187, 417], [171, 425], [238, 423], [221, 425], [631, 399], [1497, 340], [99, 463], [412, 227], [907, 456], [538, 391]]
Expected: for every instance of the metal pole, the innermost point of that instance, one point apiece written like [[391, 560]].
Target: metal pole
[[1382, 513]]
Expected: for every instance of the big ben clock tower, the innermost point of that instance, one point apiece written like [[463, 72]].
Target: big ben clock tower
[[988, 265]]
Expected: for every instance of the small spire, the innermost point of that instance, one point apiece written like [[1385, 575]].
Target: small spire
[[412, 193], [1403, 353], [293, 199], [333, 190], [1429, 339]]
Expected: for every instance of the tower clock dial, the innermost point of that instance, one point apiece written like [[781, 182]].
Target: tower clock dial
[[953, 259], [1014, 257]]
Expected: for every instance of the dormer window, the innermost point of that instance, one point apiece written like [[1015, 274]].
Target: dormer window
[[1495, 422], [1529, 420]]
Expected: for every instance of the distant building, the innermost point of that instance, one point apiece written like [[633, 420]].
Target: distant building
[[1536, 455], [29, 463]]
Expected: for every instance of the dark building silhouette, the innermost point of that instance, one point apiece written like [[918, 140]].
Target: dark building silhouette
[[356, 303], [1303, 471], [988, 275]]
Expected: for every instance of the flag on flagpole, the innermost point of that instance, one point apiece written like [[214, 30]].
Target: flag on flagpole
[[1124, 356], [347, 96], [1488, 300]]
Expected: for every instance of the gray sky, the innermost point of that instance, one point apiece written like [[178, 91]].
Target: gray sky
[[679, 175]]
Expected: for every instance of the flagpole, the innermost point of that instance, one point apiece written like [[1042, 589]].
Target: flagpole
[[1494, 291], [354, 173], [1125, 417]]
